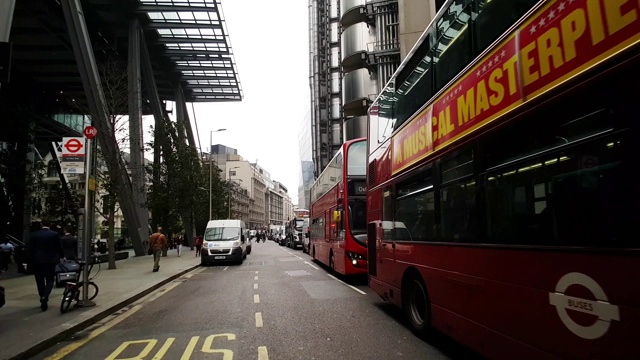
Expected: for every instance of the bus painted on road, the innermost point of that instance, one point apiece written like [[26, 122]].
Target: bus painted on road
[[338, 211], [500, 189]]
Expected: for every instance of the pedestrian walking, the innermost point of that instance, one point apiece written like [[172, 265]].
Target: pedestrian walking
[[157, 243], [45, 247], [178, 241], [69, 244], [198, 245], [6, 249]]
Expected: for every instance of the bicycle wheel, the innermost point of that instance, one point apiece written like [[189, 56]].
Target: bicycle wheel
[[67, 298], [92, 290]]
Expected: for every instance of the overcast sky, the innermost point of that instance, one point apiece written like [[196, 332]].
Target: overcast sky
[[269, 40]]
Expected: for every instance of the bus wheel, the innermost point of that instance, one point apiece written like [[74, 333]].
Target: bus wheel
[[416, 304]]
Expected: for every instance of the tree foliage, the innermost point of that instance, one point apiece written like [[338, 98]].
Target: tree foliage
[[183, 186]]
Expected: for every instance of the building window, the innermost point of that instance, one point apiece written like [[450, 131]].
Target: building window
[[52, 169]]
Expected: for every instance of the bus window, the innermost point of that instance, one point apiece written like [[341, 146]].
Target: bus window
[[458, 198], [358, 219], [415, 208], [494, 17], [563, 198]]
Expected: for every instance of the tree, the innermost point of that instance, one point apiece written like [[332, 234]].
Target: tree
[[181, 194]]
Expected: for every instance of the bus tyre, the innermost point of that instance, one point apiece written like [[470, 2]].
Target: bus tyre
[[416, 304]]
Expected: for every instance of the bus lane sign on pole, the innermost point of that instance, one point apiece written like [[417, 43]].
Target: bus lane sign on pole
[[73, 151]]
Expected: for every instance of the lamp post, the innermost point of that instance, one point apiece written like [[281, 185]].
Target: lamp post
[[211, 169], [229, 179]]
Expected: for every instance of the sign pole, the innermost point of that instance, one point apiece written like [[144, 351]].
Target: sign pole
[[88, 207]]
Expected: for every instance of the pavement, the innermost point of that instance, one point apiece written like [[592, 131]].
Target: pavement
[[25, 330]]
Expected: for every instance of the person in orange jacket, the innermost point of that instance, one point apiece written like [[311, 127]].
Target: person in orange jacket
[[157, 242]]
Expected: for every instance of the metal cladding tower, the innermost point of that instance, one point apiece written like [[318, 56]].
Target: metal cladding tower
[[354, 49]]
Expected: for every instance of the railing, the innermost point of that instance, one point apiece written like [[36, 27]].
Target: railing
[[388, 45]]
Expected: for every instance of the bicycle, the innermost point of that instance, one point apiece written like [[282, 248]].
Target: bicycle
[[73, 291]]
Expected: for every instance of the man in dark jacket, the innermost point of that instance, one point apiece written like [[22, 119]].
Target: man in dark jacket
[[46, 251], [69, 244]]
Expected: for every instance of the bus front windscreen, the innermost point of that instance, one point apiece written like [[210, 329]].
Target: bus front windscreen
[[357, 159], [358, 219], [299, 224]]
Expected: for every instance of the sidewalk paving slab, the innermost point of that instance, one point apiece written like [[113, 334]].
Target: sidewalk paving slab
[[25, 330]]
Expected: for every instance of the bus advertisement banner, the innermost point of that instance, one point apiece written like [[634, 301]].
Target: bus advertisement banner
[[559, 41]]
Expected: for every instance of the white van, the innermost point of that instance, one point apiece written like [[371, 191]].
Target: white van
[[224, 241]]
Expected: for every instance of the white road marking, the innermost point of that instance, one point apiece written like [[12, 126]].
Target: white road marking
[[259, 319], [351, 286], [256, 298], [255, 278], [256, 272], [225, 268], [255, 286], [298, 257], [313, 266], [263, 354]]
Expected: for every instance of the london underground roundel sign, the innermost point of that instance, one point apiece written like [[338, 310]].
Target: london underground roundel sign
[[73, 145], [600, 308]]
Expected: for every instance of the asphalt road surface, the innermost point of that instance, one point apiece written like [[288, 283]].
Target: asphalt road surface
[[278, 304]]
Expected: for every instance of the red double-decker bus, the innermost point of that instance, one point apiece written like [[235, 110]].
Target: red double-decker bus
[[339, 213], [500, 179]]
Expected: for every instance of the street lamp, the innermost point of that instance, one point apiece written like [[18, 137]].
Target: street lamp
[[211, 170], [229, 179]]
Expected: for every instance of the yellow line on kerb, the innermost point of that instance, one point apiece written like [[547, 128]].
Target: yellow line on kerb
[[95, 333], [263, 354]]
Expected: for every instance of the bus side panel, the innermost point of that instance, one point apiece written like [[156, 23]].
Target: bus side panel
[[547, 298], [482, 339]]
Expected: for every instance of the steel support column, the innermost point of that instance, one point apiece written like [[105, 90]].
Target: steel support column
[[157, 109], [79, 36], [181, 108], [6, 17], [136, 163], [184, 133]]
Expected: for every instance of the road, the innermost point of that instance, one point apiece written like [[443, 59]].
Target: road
[[278, 304]]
